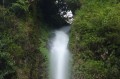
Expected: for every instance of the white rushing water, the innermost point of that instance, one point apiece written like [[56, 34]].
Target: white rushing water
[[59, 54]]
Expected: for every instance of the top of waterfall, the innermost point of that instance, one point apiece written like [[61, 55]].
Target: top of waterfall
[[69, 16], [65, 29], [64, 11]]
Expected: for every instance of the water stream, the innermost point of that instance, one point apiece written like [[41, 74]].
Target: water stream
[[59, 54]]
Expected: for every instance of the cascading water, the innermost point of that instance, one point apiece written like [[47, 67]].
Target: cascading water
[[59, 54]]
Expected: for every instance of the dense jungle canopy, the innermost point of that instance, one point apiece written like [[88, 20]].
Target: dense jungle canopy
[[25, 27]]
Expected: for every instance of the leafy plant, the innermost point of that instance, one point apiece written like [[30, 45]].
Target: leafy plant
[[95, 36], [20, 7]]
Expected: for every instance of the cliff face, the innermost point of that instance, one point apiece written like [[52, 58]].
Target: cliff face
[[23, 46], [94, 40]]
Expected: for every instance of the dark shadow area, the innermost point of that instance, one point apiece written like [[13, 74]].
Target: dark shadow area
[[7, 3], [50, 13]]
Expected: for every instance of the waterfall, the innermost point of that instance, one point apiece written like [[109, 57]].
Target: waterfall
[[59, 54]]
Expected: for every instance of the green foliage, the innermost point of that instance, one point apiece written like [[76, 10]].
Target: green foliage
[[7, 3], [43, 44], [20, 7], [93, 70], [20, 56], [7, 64], [23, 4], [43, 48], [74, 5], [7, 67], [95, 36]]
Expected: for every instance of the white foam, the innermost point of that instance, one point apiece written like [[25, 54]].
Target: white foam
[[59, 55]]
